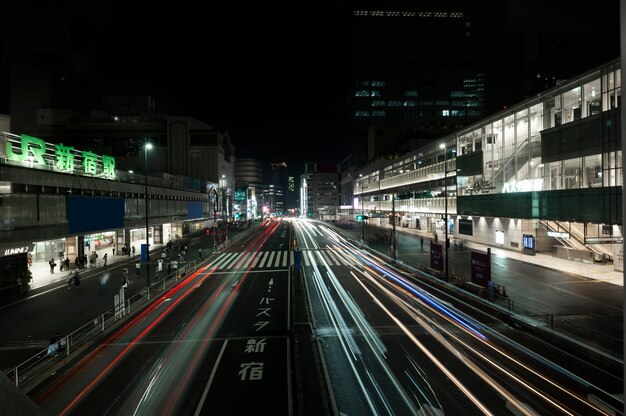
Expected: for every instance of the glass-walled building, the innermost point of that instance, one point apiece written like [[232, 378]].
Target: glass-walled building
[[567, 138], [546, 172]]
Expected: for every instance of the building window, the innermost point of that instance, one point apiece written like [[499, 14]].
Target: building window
[[445, 113]]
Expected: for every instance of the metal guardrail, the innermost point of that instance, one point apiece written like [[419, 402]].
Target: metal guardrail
[[48, 360], [609, 345]]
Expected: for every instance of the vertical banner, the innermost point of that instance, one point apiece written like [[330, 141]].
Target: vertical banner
[[144, 253], [436, 256], [297, 259], [481, 268]]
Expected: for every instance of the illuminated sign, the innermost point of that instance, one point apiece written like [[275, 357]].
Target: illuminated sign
[[17, 250], [525, 185], [34, 152], [499, 237], [558, 235], [240, 195]]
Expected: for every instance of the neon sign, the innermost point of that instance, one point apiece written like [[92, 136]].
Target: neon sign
[[34, 151], [525, 185]]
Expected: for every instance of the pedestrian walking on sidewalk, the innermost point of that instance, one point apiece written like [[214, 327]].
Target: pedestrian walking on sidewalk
[[422, 243], [113, 251], [105, 258], [138, 268], [133, 250], [159, 265], [52, 266], [199, 254]]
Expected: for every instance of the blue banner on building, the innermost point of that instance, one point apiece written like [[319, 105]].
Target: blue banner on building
[[194, 209], [87, 214]]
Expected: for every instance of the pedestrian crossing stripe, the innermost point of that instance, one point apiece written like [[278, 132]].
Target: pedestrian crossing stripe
[[276, 259]]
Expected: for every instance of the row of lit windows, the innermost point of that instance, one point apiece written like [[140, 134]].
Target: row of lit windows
[[367, 93], [373, 83], [413, 93], [389, 13], [393, 103], [444, 113], [366, 113], [460, 113], [412, 103]]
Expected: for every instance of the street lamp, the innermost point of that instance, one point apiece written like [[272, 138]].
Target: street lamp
[[445, 187], [362, 212], [148, 146]]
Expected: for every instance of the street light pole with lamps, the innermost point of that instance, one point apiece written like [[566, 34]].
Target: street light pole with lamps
[[362, 211], [445, 218], [147, 146]]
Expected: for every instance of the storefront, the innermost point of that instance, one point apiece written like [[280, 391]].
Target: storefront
[[99, 241], [51, 249]]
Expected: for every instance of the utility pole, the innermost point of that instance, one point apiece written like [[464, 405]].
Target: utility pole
[[148, 146], [363, 220], [445, 217], [394, 250]]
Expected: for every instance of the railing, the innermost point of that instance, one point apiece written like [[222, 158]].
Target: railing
[[510, 159], [611, 345], [35, 369], [47, 360], [577, 239]]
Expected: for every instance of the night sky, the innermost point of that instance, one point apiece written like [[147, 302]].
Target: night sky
[[272, 73]]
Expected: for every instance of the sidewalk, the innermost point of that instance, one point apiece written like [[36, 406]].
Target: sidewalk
[[598, 271], [43, 277]]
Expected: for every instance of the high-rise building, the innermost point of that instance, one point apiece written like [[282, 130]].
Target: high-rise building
[[413, 64], [278, 186], [319, 188], [249, 197]]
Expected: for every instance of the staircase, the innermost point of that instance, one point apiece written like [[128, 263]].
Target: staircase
[[577, 238]]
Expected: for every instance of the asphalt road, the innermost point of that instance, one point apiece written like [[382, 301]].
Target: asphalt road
[[393, 346], [588, 310], [217, 337]]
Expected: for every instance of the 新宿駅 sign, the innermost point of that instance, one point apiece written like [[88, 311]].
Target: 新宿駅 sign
[[34, 152]]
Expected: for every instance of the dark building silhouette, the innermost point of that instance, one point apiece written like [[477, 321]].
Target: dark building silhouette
[[434, 67], [413, 64]]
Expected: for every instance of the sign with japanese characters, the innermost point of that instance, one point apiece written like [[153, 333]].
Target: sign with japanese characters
[[34, 152], [256, 368]]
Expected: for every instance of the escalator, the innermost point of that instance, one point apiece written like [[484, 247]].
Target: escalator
[[578, 239]]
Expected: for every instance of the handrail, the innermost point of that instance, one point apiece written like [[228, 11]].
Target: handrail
[[38, 367]]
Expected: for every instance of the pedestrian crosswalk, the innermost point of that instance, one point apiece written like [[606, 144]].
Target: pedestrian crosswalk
[[276, 259]]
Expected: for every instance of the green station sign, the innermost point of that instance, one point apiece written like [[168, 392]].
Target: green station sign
[[34, 152]]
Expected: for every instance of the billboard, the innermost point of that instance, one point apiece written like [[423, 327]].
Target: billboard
[[481, 268], [436, 256], [194, 209], [87, 214]]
